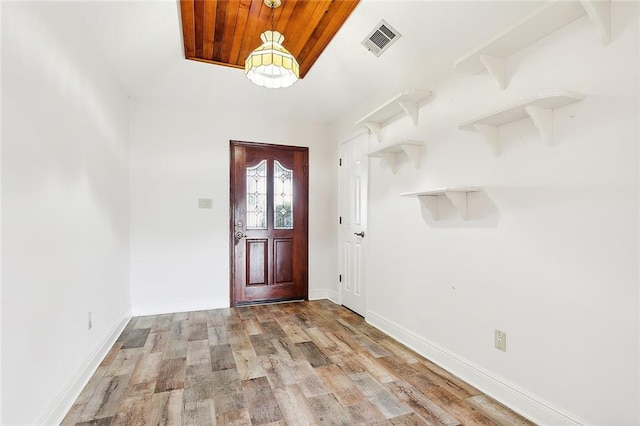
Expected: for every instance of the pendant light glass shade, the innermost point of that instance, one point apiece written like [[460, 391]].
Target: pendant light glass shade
[[271, 65]]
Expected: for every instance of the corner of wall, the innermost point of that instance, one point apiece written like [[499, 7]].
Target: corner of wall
[[334, 296], [61, 405], [519, 400]]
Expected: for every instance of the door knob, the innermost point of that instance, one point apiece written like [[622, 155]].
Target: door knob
[[359, 234], [239, 235]]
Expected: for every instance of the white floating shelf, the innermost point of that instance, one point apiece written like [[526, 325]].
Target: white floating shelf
[[544, 21], [456, 195], [405, 103], [390, 153], [539, 109]]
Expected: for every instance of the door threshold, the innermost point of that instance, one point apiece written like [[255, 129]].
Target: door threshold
[[266, 302]]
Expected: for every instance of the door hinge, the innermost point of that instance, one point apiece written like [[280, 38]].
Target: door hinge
[[340, 162], [340, 278], [304, 169], [340, 220]]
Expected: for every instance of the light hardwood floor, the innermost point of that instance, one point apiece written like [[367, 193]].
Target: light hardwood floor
[[292, 363]]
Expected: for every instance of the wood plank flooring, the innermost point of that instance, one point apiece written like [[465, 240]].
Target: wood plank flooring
[[298, 363]]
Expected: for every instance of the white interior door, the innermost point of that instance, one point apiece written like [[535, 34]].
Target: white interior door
[[354, 173]]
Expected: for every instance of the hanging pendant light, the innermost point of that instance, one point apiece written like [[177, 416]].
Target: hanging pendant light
[[271, 65]]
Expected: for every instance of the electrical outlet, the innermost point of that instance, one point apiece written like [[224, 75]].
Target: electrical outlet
[[500, 338], [89, 320]]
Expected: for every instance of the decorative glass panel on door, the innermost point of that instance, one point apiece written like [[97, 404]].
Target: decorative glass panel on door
[[283, 196], [257, 196]]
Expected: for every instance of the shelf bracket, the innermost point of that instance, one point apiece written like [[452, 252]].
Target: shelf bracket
[[599, 12], [490, 135], [413, 152], [459, 201], [495, 66], [411, 108], [430, 202], [390, 159], [543, 120], [375, 128], [456, 195]]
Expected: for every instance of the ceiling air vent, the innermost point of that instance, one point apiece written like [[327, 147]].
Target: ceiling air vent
[[381, 38]]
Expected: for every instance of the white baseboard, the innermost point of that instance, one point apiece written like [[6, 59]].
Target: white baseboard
[[213, 303], [180, 306], [324, 294], [62, 404], [334, 296], [318, 294], [521, 401]]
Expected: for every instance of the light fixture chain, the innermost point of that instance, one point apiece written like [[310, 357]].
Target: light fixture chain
[[273, 27], [273, 17]]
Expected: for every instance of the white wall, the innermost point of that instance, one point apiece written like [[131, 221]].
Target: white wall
[[550, 254], [64, 209], [1, 3], [180, 253]]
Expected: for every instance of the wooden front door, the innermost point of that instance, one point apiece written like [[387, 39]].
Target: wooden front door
[[269, 215]]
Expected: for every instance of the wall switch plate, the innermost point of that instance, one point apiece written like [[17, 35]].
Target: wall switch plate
[[204, 203], [500, 340], [89, 320]]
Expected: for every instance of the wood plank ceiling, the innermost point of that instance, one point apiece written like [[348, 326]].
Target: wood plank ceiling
[[224, 32]]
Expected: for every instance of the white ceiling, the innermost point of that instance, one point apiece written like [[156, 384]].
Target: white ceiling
[[142, 41]]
